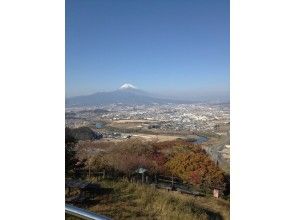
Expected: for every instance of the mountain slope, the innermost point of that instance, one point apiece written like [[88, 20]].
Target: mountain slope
[[126, 94]]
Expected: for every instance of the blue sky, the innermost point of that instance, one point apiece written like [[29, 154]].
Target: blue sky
[[163, 46]]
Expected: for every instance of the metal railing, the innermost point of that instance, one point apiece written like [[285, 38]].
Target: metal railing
[[83, 214]]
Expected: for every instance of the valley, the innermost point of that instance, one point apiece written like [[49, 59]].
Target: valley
[[155, 122]]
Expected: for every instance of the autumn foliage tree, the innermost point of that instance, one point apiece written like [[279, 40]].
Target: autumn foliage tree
[[184, 160], [126, 157], [159, 160], [197, 168]]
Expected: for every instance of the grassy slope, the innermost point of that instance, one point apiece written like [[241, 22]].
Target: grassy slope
[[135, 201]]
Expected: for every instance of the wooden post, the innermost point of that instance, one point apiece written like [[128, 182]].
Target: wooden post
[[216, 193]]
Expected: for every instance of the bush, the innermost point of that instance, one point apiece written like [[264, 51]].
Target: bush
[[196, 168]]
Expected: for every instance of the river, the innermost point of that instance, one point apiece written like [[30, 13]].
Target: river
[[200, 140]]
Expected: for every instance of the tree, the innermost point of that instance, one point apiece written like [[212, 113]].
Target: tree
[[71, 162], [197, 168], [159, 160], [126, 157]]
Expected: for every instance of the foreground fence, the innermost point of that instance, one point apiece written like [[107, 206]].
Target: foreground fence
[[83, 214], [164, 182], [160, 181]]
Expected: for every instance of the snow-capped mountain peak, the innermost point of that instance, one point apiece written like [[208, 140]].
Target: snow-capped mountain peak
[[127, 86]]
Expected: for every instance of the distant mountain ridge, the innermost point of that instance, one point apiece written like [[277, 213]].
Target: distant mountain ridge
[[126, 94]]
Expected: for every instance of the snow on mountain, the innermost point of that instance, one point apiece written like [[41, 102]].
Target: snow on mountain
[[128, 86], [126, 94]]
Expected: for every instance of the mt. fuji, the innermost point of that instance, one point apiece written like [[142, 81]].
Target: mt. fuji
[[127, 94]]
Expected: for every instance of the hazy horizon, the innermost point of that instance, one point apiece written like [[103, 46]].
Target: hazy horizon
[[208, 95]]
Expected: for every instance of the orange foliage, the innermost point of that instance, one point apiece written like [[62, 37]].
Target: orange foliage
[[197, 168]]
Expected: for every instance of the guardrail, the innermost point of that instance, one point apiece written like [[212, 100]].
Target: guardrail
[[83, 214]]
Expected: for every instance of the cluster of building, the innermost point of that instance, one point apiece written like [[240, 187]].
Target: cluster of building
[[177, 117]]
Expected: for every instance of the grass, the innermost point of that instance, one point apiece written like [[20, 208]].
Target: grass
[[70, 217], [136, 201]]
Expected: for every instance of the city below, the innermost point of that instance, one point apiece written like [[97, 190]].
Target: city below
[[201, 123]]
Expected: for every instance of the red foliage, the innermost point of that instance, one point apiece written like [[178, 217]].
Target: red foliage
[[195, 178]]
